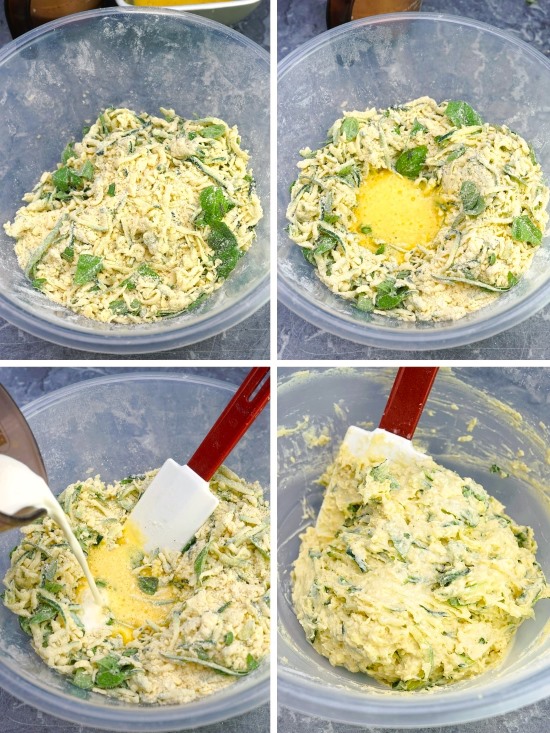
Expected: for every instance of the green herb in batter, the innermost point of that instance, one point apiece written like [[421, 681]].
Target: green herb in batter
[[223, 242], [148, 585], [111, 189], [461, 114], [325, 242], [200, 560], [360, 563], [418, 127], [214, 205], [205, 663], [473, 202], [523, 230], [456, 153], [38, 282], [121, 308], [350, 175], [87, 267], [213, 131], [411, 162], [366, 229], [389, 296], [350, 128], [111, 673], [43, 247], [68, 152], [228, 638]]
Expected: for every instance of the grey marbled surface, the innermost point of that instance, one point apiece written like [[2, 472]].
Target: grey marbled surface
[[247, 340], [26, 384], [300, 20]]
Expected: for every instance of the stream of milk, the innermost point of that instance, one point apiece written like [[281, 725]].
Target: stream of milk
[[19, 488]]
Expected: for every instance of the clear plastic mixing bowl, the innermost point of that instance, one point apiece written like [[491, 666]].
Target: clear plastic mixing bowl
[[116, 426], [58, 78], [337, 398], [387, 60]]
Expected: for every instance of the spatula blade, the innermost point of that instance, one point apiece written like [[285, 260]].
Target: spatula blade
[[174, 507]]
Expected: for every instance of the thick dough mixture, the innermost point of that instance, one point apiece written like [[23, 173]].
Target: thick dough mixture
[[142, 220], [209, 619], [487, 191], [412, 574]]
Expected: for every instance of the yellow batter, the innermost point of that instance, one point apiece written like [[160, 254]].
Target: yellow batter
[[412, 574]]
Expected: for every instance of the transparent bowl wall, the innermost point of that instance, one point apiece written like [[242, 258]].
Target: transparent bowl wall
[[115, 426], [57, 78], [307, 681], [388, 60]]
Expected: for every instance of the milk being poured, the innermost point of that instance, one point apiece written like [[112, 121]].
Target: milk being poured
[[19, 488]]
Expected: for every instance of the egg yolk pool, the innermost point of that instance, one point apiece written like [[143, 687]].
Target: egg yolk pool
[[131, 598], [396, 211]]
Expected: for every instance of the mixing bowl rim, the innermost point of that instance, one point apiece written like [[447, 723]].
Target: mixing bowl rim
[[135, 340], [452, 333], [140, 718]]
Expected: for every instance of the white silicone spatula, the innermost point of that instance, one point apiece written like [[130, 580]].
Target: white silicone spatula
[[178, 501], [392, 438]]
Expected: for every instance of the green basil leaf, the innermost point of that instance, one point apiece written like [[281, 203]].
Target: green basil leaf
[[111, 189], [214, 205], [87, 267], [87, 171], [43, 613], [472, 201], [350, 128], [366, 229], [325, 243], [524, 230], [148, 585], [411, 162], [65, 179], [213, 131], [350, 175], [456, 153], [418, 127], [512, 280], [121, 308], [309, 255], [461, 114], [68, 254], [145, 271], [38, 282], [224, 243], [108, 679], [380, 249], [68, 153], [228, 638], [251, 663]]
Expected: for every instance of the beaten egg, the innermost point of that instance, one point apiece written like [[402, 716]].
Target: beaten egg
[[114, 570], [397, 211]]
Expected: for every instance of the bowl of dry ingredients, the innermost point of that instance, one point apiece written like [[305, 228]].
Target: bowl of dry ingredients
[[210, 648], [440, 644], [413, 192], [134, 213]]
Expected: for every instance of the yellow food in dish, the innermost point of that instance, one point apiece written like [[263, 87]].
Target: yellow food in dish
[[125, 598], [177, 625], [478, 216], [413, 574], [142, 220], [396, 212]]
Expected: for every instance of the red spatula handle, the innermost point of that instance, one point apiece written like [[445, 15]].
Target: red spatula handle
[[409, 394], [247, 403]]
